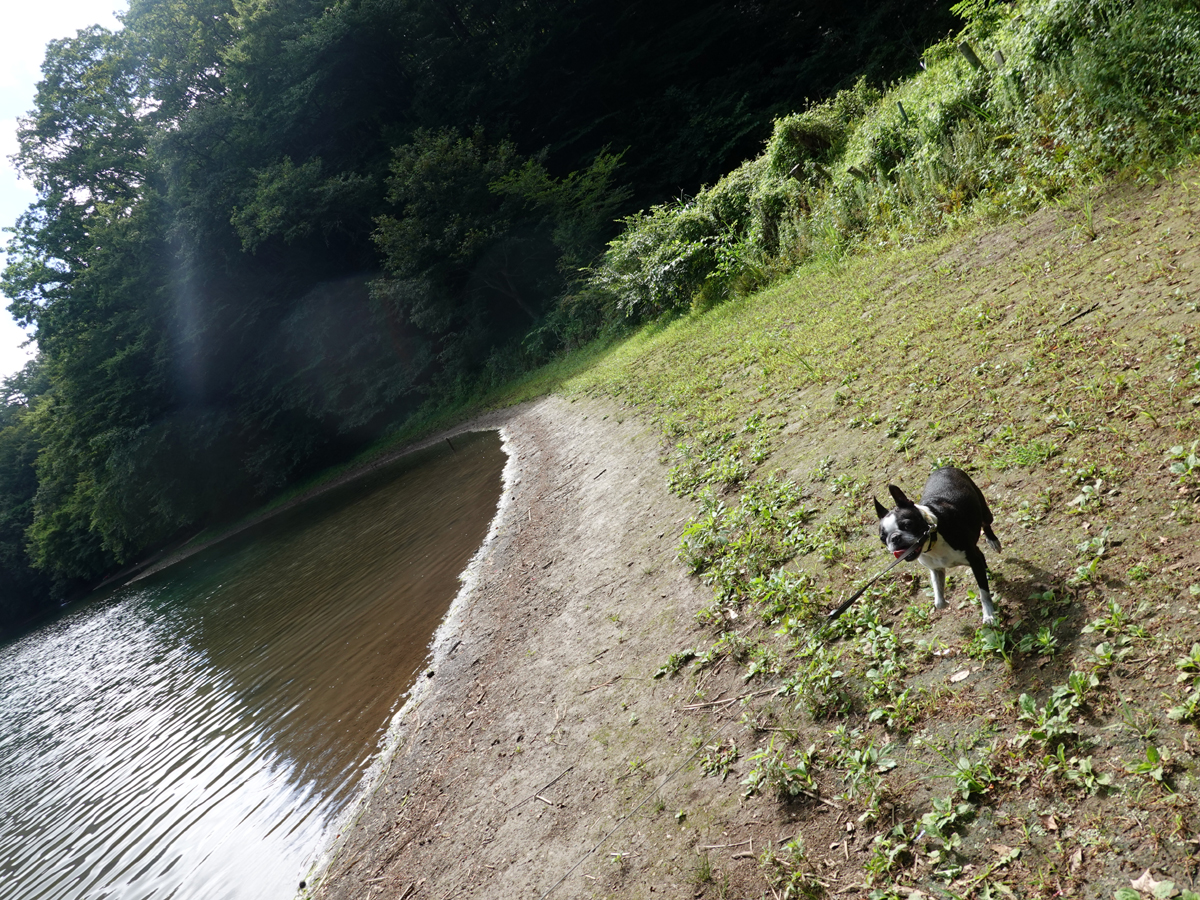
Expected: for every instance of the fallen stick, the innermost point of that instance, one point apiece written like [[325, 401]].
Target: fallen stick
[[725, 846], [596, 687], [535, 794], [727, 701], [1080, 315]]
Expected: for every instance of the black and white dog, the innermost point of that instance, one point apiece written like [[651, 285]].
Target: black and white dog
[[942, 531]]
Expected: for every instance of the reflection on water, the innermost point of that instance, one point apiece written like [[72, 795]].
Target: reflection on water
[[195, 735]]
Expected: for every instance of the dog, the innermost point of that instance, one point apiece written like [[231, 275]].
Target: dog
[[942, 531]]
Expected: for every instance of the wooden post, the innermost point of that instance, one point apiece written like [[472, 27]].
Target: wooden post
[[965, 49]]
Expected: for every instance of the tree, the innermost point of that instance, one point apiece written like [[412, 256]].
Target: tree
[[23, 591], [267, 232]]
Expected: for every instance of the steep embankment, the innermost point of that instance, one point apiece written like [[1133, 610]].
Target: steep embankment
[[907, 752]]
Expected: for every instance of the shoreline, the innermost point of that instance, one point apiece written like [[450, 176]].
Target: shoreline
[[517, 767], [420, 689]]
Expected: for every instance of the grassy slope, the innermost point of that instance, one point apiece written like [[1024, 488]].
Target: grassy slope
[[1056, 359]]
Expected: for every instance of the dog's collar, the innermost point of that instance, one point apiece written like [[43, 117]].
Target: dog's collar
[[931, 534]]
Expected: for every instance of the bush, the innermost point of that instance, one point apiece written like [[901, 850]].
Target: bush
[[1068, 91]]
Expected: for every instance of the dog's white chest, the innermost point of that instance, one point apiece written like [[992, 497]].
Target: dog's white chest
[[942, 556]]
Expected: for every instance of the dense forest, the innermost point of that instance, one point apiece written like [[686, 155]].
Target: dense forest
[[266, 233]]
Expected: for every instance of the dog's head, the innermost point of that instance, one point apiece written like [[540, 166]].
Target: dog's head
[[902, 529]]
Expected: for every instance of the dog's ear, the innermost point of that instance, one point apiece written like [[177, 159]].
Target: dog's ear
[[898, 496], [880, 509]]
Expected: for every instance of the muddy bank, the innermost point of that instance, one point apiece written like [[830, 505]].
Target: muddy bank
[[531, 763]]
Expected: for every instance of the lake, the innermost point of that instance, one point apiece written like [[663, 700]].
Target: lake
[[198, 733]]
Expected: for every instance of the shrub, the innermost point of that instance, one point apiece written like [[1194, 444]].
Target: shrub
[[1070, 89]]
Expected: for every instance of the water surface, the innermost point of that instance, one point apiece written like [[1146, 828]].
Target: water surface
[[197, 733]]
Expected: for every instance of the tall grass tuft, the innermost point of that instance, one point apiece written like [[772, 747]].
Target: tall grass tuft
[[1068, 90]]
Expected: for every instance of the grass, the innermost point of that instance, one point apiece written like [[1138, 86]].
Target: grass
[[1072, 90], [781, 415]]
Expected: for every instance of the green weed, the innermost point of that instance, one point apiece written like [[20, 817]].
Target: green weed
[[1189, 665], [891, 850], [719, 759], [973, 779], [787, 775], [1048, 724], [789, 873], [1077, 770], [1185, 463], [1153, 767], [820, 684], [675, 662]]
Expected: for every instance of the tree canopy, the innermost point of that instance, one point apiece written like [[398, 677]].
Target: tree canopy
[[266, 232]]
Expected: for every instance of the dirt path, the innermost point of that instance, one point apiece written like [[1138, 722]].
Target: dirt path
[[543, 729]]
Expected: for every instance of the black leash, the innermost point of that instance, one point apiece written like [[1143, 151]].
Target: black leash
[[907, 556]]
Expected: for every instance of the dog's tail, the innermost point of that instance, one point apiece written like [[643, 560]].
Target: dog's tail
[[990, 536]]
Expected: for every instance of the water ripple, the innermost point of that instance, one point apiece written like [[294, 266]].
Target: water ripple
[[196, 736]]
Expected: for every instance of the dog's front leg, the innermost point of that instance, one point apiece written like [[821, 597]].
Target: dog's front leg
[[938, 577], [989, 611]]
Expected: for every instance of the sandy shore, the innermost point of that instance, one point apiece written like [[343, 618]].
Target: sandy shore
[[542, 758]]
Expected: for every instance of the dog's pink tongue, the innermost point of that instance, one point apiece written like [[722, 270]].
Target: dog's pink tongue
[[899, 553]]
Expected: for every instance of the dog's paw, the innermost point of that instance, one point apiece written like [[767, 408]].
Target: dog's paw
[[989, 619]]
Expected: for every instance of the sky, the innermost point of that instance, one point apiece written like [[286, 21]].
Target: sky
[[28, 27]]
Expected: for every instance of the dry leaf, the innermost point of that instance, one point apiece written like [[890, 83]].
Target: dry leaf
[[1076, 859], [960, 675], [1148, 884], [1144, 882], [1051, 823]]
